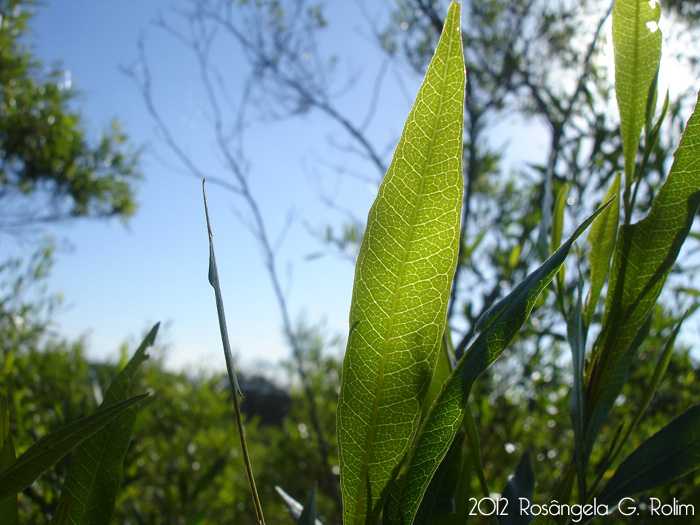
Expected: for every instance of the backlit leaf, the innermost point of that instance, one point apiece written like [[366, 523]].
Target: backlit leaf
[[402, 285], [637, 44]]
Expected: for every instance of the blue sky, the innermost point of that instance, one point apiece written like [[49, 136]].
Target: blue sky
[[118, 281]]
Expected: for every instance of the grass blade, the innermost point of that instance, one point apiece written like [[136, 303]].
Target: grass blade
[[500, 324], [402, 285], [95, 475], [233, 380], [52, 447]]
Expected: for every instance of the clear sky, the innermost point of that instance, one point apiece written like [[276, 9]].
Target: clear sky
[[118, 281]]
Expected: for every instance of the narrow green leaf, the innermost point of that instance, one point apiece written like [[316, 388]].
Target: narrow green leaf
[[475, 449], [577, 340], [502, 323], [667, 455], [637, 56], [293, 506], [520, 486], [308, 514], [560, 495], [9, 512], [402, 284], [644, 255], [443, 370], [439, 497], [52, 447], [558, 217], [95, 475], [649, 391], [601, 238], [557, 230], [61, 515]]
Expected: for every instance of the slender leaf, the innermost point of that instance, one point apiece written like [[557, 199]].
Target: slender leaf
[[520, 486], [402, 284], [475, 449], [293, 506], [637, 56], [577, 340], [9, 512], [52, 447], [236, 394], [667, 455], [439, 497], [499, 325], [95, 475], [601, 238], [308, 514], [644, 255], [61, 515], [443, 369], [649, 391], [557, 230], [561, 494]]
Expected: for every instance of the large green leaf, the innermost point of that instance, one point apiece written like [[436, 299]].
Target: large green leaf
[[402, 285], [96, 472], [667, 455], [644, 255], [637, 56], [52, 447], [499, 325]]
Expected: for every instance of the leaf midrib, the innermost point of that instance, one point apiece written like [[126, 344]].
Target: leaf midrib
[[397, 289]]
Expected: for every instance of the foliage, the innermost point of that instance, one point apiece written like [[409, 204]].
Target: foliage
[[393, 481], [431, 415], [49, 169]]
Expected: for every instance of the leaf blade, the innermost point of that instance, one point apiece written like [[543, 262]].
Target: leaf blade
[[670, 453], [402, 284], [637, 52], [52, 447], [95, 475]]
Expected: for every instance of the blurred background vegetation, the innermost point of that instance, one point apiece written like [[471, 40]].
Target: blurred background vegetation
[[532, 58]]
